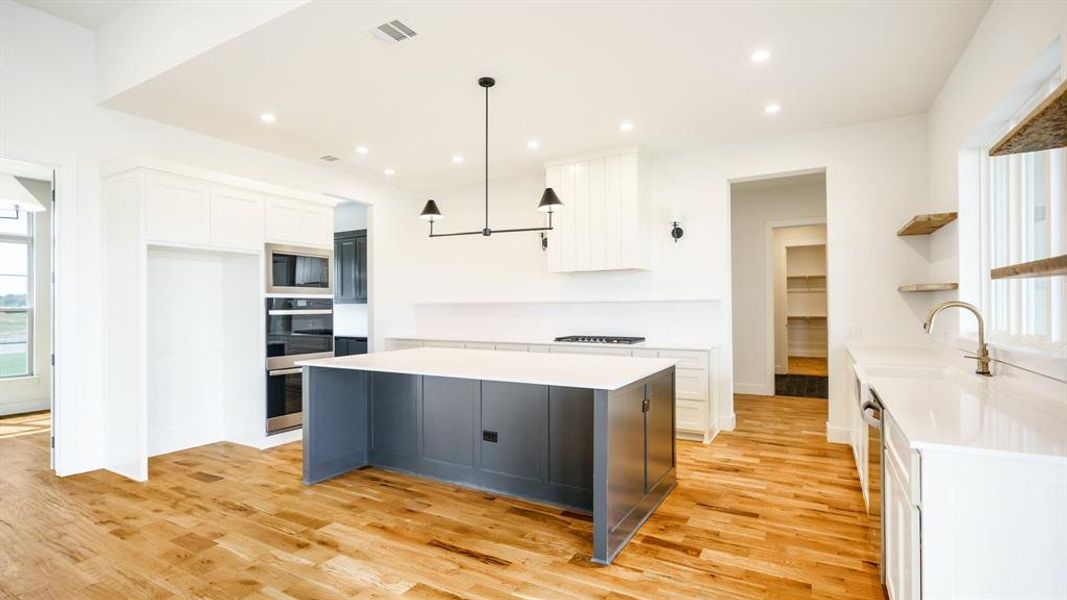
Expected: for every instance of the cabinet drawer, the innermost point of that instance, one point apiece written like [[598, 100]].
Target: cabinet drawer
[[441, 344], [691, 416], [638, 353], [402, 344], [479, 346], [589, 350], [512, 347], [687, 359], [691, 384], [899, 451], [536, 348]]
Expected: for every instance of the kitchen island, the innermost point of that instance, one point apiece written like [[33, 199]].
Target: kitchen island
[[591, 433]]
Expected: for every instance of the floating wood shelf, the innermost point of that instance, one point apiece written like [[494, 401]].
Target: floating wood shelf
[[926, 224], [928, 287], [1043, 129], [1046, 267], [805, 316]]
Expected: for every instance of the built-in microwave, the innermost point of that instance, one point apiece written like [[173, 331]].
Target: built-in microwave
[[299, 270]]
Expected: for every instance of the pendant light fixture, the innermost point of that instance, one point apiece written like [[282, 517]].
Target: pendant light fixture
[[550, 202]]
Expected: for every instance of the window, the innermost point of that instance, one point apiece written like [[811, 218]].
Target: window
[[1022, 219], [16, 295]]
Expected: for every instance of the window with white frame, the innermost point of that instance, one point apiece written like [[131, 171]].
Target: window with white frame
[[16, 295], [1023, 219]]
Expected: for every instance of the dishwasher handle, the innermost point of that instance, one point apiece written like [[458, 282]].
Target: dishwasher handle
[[867, 411]]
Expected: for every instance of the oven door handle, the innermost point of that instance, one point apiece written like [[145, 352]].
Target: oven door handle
[[322, 311], [286, 372]]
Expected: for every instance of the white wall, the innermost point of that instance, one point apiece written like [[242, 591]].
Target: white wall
[[47, 115], [349, 216], [28, 394], [753, 207], [1007, 44], [875, 181]]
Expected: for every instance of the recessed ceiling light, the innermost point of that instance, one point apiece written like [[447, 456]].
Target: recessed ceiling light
[[626, 126], [760, 56], [268, 118], [389, 172], [361, 150], [533, 144], [457, 159], [772, 108]]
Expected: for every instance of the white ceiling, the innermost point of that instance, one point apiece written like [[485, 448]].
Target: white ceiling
[[87, 13], [567, 74]]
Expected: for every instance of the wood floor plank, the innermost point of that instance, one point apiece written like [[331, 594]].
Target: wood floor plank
[[770, 510]]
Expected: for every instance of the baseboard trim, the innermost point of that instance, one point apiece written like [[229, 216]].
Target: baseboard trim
[[837, 435], [753, 389], [728, 422], [23, 406]]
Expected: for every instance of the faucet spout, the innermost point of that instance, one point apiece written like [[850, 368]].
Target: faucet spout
[[982, 356]]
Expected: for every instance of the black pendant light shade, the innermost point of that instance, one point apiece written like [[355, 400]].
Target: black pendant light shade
[[430, 212], [549, 201]]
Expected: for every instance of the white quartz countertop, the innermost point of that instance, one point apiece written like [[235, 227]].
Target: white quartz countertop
[[566, 370], [980, 415], [938, 405], [648, 344]]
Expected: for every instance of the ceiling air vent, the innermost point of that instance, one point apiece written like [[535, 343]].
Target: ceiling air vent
[[329, 158], [391, 32]]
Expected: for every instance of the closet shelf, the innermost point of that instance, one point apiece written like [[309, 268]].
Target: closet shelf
[[805, 316], [928, 287], [926, 224], [1046, 267], [1043, 129]]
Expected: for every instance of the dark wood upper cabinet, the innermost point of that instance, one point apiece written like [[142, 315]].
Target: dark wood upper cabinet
[[350, 267]]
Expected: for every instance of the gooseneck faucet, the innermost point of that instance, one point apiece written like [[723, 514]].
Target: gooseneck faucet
[[983, 350]]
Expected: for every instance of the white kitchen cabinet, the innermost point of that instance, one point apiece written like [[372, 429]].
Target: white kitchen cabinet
[[606, 210], [694, 380], [177, 210], [290, 221], [901, 520], [236, 218]]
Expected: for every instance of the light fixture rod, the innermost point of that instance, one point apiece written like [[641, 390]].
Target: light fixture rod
[[549, 201]]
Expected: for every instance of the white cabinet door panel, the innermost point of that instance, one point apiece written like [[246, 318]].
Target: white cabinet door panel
[[177, 210], [612, 213], [597, 237], [236, 219], [282, 221], [316, 226]]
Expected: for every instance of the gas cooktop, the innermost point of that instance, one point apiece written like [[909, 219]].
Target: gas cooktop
[[600, 339]]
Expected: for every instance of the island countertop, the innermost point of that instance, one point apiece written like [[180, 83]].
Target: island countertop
[[564, 370]]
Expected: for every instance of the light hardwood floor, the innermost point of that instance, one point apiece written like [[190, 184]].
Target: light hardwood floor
[[805, 365], [768, 511], [25, 424]]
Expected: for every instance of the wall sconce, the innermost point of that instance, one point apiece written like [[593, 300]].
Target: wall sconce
[[544, 242], [676, 219], [676, 231]]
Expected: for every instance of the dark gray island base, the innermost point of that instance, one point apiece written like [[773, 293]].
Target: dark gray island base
[[610, 453]]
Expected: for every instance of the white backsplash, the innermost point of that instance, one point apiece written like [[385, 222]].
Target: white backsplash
[[673, 321]]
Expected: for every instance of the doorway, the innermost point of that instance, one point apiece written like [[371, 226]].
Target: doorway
[[26, 300], [779, 285], [800, 315]]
